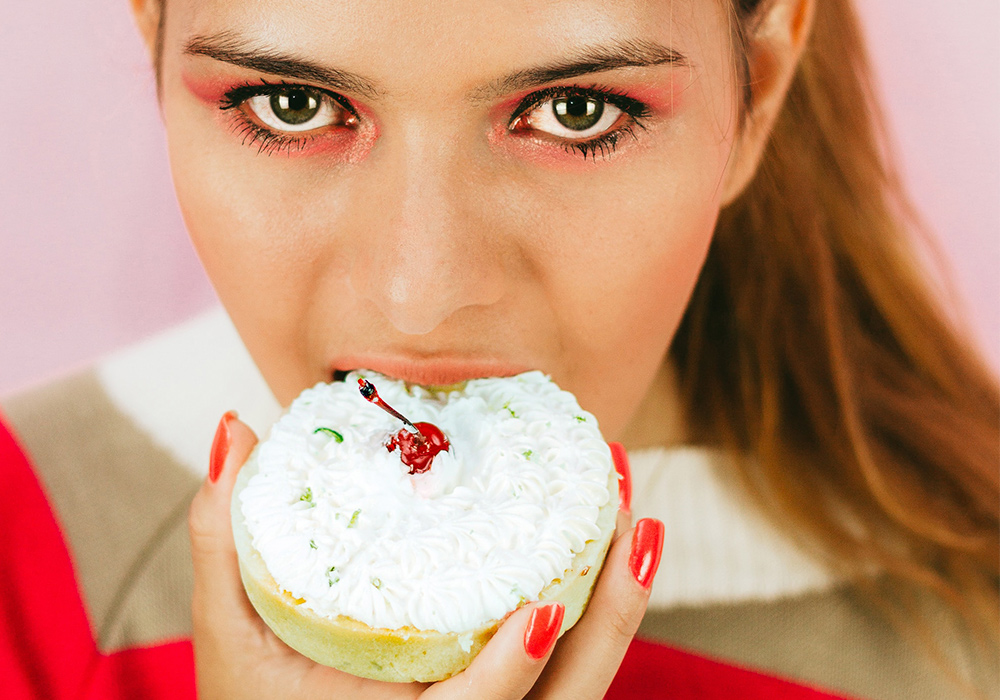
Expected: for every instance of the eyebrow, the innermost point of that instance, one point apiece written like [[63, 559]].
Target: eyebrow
[[597, 59], [229, 48]]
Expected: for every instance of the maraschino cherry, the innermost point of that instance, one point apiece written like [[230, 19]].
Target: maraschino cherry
[[416, 449]]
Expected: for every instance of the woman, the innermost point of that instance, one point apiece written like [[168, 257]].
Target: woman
[[680, 211]]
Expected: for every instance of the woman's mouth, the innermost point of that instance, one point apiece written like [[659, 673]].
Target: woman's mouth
[[434, 374]]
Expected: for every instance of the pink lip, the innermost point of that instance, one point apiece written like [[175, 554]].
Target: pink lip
[[430, 371]]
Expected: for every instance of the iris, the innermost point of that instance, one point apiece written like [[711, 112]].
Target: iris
[[295, 106], [578, 112]]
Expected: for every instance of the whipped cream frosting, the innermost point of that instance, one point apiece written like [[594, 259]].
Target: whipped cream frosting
[[341, 525]]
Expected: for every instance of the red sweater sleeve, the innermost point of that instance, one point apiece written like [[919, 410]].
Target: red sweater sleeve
[[47, 649], [658, 672]]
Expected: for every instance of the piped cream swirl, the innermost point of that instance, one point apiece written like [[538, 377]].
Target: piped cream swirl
[[340, 524]]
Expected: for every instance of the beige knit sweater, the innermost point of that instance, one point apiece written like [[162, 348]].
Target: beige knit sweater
[[730, 585]]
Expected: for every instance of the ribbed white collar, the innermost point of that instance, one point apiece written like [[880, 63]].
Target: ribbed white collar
[[718, 547]]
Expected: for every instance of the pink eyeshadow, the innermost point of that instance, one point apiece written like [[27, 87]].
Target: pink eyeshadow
[[349, 146], [208, 90]]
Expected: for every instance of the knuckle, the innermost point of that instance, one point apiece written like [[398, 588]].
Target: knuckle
[[624, 622], [199, 521], [494, 688]]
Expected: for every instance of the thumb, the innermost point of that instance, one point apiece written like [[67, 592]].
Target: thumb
[[512, 660], [218, 591]]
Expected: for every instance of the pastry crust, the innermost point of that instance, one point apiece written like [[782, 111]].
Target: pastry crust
[[406, 654]]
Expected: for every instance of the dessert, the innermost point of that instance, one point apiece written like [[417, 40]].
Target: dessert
[[393, 552]]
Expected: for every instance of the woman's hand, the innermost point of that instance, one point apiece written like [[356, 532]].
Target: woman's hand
[[237, 656]]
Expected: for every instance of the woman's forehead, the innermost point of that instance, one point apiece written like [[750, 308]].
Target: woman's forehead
[[393, 43]]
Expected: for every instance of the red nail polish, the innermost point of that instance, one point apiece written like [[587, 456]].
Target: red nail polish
[[220, 446], [647, 546], [620, 457], [543, 629]]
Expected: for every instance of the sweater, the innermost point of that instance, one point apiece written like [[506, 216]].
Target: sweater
[[99, 469]]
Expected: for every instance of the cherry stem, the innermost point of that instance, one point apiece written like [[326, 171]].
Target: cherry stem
[[371, 394]]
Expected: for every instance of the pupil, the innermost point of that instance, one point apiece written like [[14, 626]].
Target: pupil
[[297, 101], [578, 112], [295, 106], [576, 106]]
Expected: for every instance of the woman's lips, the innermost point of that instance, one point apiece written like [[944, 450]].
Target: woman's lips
[[429, 372]]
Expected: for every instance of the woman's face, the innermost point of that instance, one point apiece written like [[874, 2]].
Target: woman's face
[[452, 189]]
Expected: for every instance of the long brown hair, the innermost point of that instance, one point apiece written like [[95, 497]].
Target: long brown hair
[[814, 346]]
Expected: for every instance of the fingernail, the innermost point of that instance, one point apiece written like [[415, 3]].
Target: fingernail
[[647, 546], [220, 446], [543, 629], [620, 457]]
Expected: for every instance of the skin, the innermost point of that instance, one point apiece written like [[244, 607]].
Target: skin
[[434, 243]]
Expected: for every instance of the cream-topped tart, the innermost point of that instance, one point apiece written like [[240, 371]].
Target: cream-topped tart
[[398, 570]]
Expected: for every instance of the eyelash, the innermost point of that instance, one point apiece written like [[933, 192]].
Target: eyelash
[[251, 132], [636, 113], [605, 144]]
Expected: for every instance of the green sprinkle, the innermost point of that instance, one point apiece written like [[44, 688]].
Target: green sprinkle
[[527, 454], [330, 580], [333, 433], [376, 581], [307, 496], [580, 419], [312, 544], [510, 410], [354, 518]]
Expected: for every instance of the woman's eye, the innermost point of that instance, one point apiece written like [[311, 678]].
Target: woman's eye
[[572, 117], [298, 109]]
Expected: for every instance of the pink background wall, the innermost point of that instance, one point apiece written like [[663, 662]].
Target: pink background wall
[[92, 249]]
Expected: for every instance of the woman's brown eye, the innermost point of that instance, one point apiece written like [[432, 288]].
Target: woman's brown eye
[[295, 107], [572, 117], [577, 112], [298, 109]]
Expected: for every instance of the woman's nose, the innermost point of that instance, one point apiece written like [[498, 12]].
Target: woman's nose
[[430, 251]]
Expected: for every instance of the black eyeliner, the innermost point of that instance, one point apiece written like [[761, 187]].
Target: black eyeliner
[[605, 143], [236, 96], [629, 105]]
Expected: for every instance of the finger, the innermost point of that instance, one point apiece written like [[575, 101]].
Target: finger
[[588, 656], [620, 458], [218, 590], [510, 663], [233, 647]]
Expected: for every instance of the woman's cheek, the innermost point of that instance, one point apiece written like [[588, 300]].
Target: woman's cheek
[[261, 278], [647, 230]]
